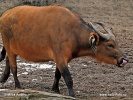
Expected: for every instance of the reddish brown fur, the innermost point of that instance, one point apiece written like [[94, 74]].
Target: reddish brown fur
[[26, 23]]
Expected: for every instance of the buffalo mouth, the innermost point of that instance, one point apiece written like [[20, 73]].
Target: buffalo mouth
[[122, 62]]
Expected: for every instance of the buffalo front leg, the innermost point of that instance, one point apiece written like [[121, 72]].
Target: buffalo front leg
[[56, 81], [6, 72], [68, 79], [13, 66]]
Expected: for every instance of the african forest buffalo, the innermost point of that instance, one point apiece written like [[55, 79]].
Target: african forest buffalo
[[54, 33]]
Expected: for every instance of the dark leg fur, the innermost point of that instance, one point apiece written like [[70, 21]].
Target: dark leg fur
[[63, 70], [3, 54], [14, 72], [56, 81], [13, 66], [6, 73], [68, 79], [17, 83]]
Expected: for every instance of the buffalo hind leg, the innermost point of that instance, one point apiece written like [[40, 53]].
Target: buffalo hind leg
[[3, 54], [13, 66], [6, 72], [68, 79], [55, 87]]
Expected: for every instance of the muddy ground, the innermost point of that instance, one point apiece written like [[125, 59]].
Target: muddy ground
[[91, 79]]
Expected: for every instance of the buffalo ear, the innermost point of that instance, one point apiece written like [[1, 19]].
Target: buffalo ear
[[93, 40], [112, 29]]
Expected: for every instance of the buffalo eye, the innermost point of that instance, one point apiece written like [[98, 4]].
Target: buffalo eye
[[111, 46]]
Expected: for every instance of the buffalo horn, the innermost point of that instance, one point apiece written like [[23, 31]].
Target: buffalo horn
[[104, 36], [105, 27]]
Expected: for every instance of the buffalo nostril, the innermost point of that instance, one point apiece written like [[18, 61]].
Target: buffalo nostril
[[122, 61], [126, 59]]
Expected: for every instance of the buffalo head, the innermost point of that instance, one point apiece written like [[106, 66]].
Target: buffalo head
[[105, 46]]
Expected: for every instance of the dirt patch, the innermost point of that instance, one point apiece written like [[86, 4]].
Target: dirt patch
[[91, 79]]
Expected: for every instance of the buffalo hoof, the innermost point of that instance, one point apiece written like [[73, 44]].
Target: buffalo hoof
[[2, 80], [56, 90], [71, 93]]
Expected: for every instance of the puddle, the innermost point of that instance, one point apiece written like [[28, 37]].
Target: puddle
[[34, 66]]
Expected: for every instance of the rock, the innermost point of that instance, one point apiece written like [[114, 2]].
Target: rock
[[27, 94]]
